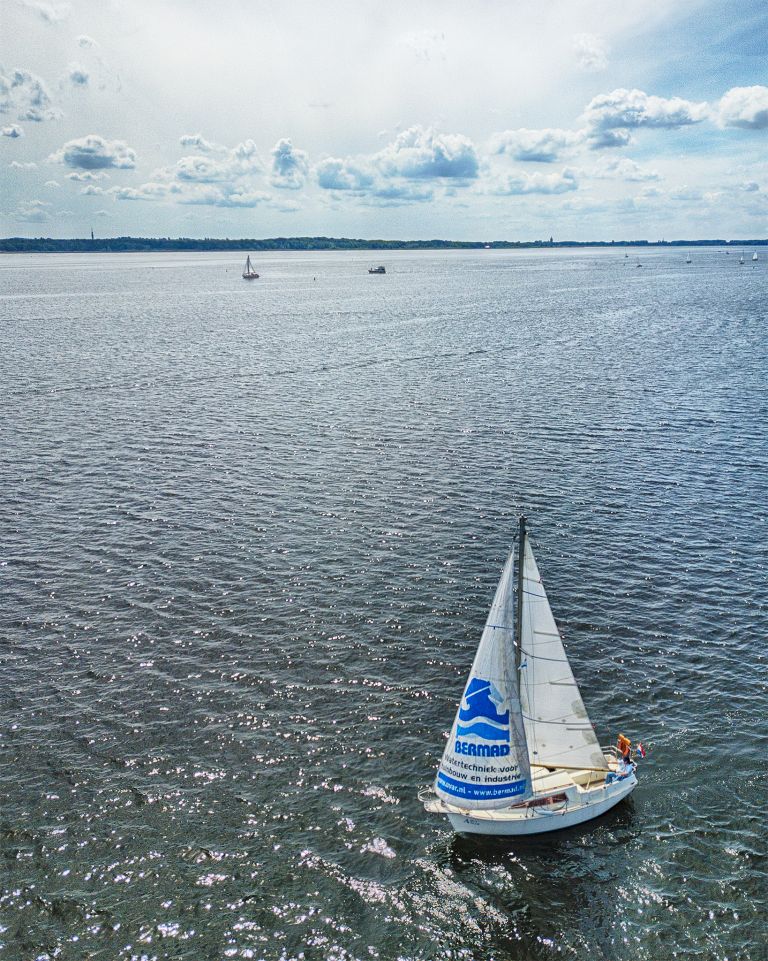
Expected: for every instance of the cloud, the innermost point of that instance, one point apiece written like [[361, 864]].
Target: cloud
[[540, 146], [92, 191], [198, 194], [405, 171], [198, 140], [745, 108], [535, 183], [13, 131], [86, 42], [16, 165], [623, 169], [335, 174], [77, 75], [25, 92], [289, 166], [590, 52], [611, 116], [33, 212], [750, 186], [225, 197], [148, 191], [419, 153], [95, 153], [399, 194], [52, 183], [201, 170], [88, 176], [247, 156]]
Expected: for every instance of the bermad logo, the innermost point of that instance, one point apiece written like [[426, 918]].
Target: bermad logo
[[479, 714]]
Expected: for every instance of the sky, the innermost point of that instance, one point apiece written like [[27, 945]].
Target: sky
[[489, 120]]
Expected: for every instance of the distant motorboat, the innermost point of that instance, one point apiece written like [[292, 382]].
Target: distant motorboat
[[377, 270], [249, 273]]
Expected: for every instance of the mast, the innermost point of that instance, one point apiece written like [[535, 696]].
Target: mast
[[519, 614]]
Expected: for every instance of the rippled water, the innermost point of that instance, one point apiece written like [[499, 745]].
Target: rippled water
[[250, 533]]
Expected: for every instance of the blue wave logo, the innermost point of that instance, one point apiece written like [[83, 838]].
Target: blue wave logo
[[480, 712]]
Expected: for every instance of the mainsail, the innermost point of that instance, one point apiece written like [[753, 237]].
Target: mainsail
[[485, 763], [557, 726]]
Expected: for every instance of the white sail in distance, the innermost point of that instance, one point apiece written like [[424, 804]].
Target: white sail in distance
[[485, 763], [558, 730]]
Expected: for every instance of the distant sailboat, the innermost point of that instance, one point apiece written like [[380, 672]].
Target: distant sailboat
[[741, 259], [688, 259], [754, 256], [522, 756], [249, 273]]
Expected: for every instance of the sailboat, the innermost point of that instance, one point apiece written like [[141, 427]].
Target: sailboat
[[249, 273], [754, 255], [522, 756], [741, 259], [688, 259]]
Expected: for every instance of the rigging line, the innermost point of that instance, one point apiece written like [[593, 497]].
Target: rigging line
[[575, 727], [538, 657]]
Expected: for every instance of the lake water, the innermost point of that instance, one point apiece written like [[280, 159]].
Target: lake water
[[249, 534]]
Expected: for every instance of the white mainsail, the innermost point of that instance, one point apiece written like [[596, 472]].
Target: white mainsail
[[557, 726], [485, 763]]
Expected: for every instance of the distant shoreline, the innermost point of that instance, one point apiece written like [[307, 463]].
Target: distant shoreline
[[20, 245]]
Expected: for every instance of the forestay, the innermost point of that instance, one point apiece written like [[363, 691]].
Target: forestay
[[485, 763], [557, 726]]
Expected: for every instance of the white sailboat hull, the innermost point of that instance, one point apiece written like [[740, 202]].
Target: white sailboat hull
[[579, 806]]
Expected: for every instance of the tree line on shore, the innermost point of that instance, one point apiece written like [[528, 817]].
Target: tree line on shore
[[141, 244]]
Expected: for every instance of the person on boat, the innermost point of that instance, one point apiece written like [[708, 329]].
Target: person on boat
[[624, 768], [625, 765], [623, 747]]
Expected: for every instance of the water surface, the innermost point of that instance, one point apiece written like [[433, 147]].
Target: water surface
[[250, 533]]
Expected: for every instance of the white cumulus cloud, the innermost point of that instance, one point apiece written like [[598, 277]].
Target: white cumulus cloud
[[744, 107], [198, 141], [13, 131], [535, 183], [289, 165], [335, 174], [26, 93], [88, 176], [623, 169], [540, 146], [611, 116], [419, 153], [95, 153]]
